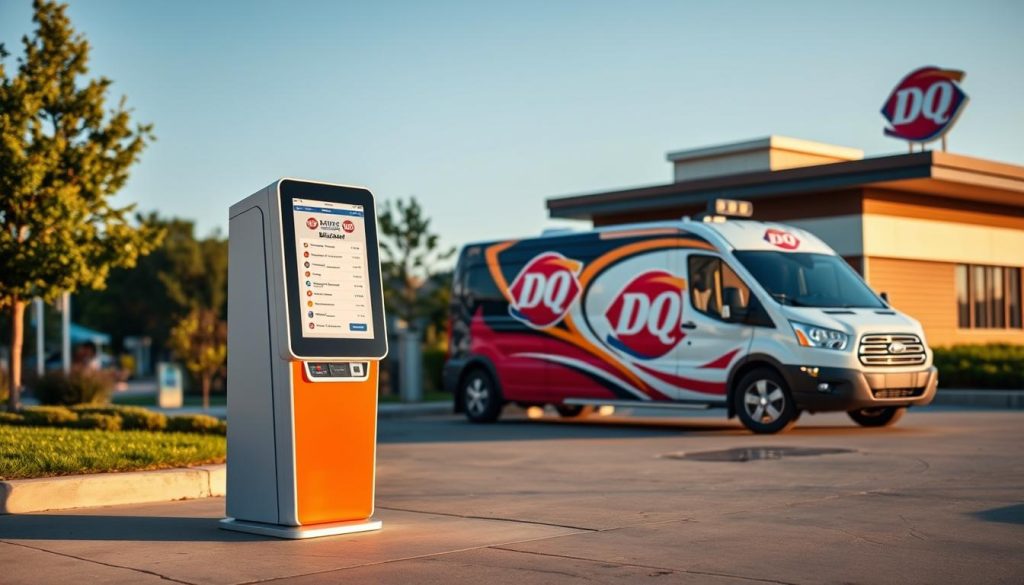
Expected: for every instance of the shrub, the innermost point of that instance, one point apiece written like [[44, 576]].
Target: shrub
[[103, 422], [49, 416], [11, 418], [136, 418], [133, 418], [997, 365], [196, 423], [81, 386], [4, 383]]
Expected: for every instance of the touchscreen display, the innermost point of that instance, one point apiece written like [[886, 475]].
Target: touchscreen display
[[333, 277]]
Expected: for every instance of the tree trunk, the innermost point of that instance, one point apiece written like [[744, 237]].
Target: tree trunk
[[17, 340], [206, 391]]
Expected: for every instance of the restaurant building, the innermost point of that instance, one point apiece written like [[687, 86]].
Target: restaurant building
[[941, 234]]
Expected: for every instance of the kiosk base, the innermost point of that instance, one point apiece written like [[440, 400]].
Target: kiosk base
[[298, 532]]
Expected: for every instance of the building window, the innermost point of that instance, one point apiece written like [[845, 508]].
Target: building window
[[987, 297]]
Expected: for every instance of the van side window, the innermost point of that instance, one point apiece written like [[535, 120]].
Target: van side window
[[716, 290], [480, 287]]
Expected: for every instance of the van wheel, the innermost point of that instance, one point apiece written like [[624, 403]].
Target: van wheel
[[763, 402], [877, 417], [573, 410], [480, 396]]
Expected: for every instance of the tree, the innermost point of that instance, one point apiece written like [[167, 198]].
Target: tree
[[62, 158], [200, 340], [135, 300], [196, 281], [411, 255]]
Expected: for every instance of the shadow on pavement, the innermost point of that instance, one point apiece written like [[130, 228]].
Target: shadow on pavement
[[116, 528], [1013, 514], [458, 430]]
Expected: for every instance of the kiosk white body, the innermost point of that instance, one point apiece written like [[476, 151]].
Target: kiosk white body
[[305, 335]]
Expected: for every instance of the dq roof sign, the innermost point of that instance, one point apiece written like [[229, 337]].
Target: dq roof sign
[[925, 104]]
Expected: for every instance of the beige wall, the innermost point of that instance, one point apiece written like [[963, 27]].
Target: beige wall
[[926, 239], [926, 291]]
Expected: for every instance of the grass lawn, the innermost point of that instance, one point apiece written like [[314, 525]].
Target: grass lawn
[[27, 452]]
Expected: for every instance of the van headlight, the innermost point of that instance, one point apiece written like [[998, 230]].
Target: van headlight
[[814, 336]]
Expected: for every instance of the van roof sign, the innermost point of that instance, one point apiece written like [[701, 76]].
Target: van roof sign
[[730, 208]]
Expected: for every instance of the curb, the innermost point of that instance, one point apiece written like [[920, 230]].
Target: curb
[[22, 496], [1007, 399], [400, 410]]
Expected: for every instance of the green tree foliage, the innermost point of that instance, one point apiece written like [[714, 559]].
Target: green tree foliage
[[135, 301], [198, 273], [200, 340], [414, 291], [63, 156]]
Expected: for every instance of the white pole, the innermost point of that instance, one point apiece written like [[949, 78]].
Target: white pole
[[65, 319], [37, 304]]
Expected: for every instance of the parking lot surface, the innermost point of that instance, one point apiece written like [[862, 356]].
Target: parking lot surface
[[937, 499]]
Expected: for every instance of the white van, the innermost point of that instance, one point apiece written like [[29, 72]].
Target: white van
[[760, 318]]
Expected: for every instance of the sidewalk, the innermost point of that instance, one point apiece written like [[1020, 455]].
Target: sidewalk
[[1008, 399]]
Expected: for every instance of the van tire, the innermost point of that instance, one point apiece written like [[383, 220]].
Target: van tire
[[481, 398], [759, 394], [573, 410], [877, 417]]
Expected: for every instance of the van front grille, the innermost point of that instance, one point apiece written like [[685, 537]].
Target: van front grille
[[896, 349], [897, 392]]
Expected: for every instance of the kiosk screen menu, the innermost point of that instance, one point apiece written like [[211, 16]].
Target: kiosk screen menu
[[333, 275]]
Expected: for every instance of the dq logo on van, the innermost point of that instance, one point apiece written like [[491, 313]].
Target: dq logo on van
[[781, 239], [646, 315], [544, 290], [925, 104]]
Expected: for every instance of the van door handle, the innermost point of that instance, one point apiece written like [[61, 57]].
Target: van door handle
[[689, 325]]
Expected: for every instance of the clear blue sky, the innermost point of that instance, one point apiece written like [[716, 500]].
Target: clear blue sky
[[484, 109]]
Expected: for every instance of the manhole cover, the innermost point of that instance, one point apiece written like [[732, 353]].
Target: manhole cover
[[742, 454]]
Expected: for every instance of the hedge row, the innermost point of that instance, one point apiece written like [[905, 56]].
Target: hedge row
[[997, 365], [113, 418]]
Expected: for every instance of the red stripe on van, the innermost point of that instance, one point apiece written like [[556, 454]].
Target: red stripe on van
[[722, 362], [686, 383]]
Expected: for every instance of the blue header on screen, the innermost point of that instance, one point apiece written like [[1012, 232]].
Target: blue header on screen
[[329, 211]]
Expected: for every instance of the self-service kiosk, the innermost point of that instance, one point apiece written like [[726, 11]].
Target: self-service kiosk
[[305, 336]]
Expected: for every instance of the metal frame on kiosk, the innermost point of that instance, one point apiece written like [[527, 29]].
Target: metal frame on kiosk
[[306, 334]]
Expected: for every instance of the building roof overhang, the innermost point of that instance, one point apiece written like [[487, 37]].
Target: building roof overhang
[[934, 173]]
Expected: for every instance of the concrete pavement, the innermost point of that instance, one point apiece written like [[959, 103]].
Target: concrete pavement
[[937, 499]]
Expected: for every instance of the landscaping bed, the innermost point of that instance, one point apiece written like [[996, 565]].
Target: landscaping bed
[[44, 441], [29, 452], [996, 366]]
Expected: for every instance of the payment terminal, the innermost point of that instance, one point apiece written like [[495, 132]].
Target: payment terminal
[[306, 334]]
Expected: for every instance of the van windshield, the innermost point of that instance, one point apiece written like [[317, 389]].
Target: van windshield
[[809, 280]]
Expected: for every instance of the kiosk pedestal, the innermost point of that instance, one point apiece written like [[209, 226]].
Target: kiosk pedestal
[[305, 336]]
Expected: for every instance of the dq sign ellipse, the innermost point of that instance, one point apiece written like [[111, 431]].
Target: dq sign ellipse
[[925, 104], [645, 316], [544, 290]]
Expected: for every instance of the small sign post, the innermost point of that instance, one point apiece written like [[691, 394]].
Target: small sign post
[[170, 393]]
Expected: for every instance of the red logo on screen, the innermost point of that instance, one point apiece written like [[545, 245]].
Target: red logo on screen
[[348, 226], [312, 223], [544, 290], [781, 239], [925, 104], [646, 315]]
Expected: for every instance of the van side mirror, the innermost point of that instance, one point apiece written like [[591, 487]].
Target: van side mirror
[[885, 297]]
